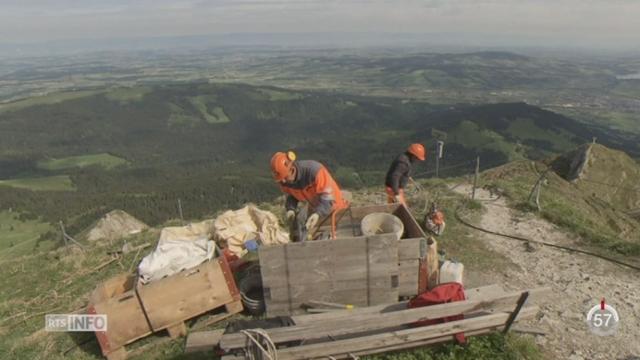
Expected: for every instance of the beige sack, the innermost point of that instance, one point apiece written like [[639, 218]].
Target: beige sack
[[189, 232], [236, 227]]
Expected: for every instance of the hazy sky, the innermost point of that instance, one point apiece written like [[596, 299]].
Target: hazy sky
[[597, 22]]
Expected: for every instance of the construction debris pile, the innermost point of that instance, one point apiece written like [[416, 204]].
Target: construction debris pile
[[379, 286]]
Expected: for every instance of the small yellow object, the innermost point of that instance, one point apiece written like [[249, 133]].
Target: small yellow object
[[291, 155], [349, 307]]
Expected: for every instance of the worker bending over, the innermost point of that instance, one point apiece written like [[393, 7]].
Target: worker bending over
[[308, 181], [400, 172]]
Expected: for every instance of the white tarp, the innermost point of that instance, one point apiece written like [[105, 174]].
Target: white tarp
[[179, 248], [236, 227]]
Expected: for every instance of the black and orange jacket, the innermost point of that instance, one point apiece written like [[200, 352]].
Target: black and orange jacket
[[313, 184], [399, 173]]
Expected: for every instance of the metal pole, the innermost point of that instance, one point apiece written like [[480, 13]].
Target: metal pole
[[475, 178], [180, 211], [439, 151]]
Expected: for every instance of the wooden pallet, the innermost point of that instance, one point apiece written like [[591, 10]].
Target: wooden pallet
[[135, 311]]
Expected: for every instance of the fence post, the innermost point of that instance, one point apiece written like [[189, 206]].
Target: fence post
[[180, 211], [475, 178]]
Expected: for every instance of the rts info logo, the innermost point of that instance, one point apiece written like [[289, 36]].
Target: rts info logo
[[75, 322]]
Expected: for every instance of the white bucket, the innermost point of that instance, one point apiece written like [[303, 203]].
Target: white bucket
[[451, 272], [381, 223]]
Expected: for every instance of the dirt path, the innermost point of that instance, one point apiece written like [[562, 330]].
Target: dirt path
[[578, 282]]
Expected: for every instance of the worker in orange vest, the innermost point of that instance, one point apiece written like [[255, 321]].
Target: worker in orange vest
[[308, 181], [399, 173]]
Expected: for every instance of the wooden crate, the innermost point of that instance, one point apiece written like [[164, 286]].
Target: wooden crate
[[412, 249], [353, 269], [134, 310], [361, 271]]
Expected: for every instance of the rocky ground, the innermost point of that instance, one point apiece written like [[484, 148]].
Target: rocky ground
[[578, 282]]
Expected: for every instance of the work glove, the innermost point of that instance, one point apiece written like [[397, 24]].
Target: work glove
[[291, 215], [312, 221]]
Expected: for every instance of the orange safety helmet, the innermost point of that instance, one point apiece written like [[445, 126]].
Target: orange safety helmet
[[281, 164], [418, 151]]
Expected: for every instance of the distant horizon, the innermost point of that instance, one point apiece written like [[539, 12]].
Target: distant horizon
[[436, 41]]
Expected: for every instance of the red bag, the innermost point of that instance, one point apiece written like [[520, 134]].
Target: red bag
[[441, 294]]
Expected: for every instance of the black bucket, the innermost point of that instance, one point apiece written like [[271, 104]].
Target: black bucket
[[251, 293]]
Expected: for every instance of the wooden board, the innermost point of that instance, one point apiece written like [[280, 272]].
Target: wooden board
[[367, 322], [203, 340], [480, 293], [408, 277], [185, 295], [359, 270], [126, 321], [392, 338]]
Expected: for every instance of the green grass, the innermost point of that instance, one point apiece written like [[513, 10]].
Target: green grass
[[18, 237], [526, 129], [55, 282], [471, 136], [215, 115], [47, 183], [128, 94], [278, 95], [49, 99], [104, 160], [491, 347]]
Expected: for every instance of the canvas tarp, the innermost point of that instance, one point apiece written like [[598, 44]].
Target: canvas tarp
[[235, 227], [179, 248]]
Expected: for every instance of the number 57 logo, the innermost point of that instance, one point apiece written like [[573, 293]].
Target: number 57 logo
[[603, 319]]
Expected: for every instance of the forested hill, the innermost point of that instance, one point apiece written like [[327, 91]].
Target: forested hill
[[140, 149]]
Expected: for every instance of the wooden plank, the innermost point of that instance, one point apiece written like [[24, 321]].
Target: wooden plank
[[368, 322], [185, 295], [177, 330], [412, 249], [355, 270], [398, 337], [408, 277], [484, 292], [111, 287], [480, 293], [411, 227], [127, 322], [203, 340]]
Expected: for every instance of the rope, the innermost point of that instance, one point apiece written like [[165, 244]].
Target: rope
[[523, 239], [270, 352]]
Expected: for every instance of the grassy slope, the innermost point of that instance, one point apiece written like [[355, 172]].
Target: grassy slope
[[47, 183], [565, 204], [613, 176], [106, 161], [18, 237], [48, 99]]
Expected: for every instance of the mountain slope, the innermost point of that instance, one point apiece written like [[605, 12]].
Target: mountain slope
[[590, 210], [610, 174], [209, 144]]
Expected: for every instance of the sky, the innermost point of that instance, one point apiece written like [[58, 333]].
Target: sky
[[597, 23]]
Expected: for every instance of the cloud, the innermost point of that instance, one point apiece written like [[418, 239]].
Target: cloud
[[564, 19]]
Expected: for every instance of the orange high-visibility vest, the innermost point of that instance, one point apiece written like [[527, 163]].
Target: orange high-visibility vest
[[315, 186]]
